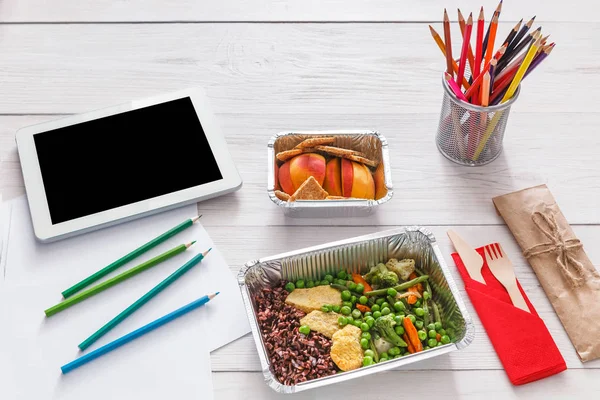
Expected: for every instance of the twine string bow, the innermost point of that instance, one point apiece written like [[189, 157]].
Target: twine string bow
[[565, 249]]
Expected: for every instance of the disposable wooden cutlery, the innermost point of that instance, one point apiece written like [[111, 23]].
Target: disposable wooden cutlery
[[504, 272], [472, 259]]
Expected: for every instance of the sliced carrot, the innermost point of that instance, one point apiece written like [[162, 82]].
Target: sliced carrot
[[411, 349], [362, 308], [411, 299], [411, 331], [357, 278]]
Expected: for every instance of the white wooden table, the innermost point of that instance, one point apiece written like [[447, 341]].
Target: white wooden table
[[274, 65]]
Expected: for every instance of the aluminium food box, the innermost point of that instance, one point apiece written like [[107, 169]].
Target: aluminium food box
[[359, 254], [371, 143]]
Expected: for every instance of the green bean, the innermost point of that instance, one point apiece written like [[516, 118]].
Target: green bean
[[375, 355], [391, 300], [436, 312], [403, 286], [426, 317], [338, 287]]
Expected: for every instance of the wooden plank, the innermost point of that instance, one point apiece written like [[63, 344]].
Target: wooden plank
[[282, 10], [539, 148], [240, 245], [267, 68], [464, 385]]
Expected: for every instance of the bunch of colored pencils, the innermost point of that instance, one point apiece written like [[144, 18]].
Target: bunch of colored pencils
[[494, 76]]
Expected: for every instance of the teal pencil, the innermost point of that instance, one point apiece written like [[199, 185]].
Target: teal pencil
[[125, 259], [142, 300]]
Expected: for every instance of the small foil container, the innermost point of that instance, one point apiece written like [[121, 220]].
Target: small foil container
[[359, 254], [371, 143]]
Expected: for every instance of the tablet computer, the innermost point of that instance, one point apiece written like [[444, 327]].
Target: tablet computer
[[100, 168]]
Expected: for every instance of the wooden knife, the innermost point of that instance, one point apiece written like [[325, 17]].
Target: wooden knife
[[472, 259]]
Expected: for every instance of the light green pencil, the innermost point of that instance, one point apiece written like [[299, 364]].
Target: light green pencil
[[117, 279]]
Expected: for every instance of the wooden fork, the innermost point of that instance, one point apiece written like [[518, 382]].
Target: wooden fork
[[503, 270]]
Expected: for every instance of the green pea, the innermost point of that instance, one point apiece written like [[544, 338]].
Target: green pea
[[342, 274], [432, 334], [399, 306], [326, 308], [364, 327], [417, 304], [394, 351], [363, 300], [328, 278], [412, 318], [385, 304], [422, 335], [347, 304], [351, 286], [438, 326], [364, 343], [426, 295], [342, 321], [346, 295], [367, 314], [335, 308], [375, 307], [399, 330], [300, 284], [377, 314], [398, 319], [370, 321], [383, 359], [369, 353], [360, 288], [385, 311], [445, 339], [432, 342], [431, 327], [442, 332], [426, 347], [419, 324], [367, 360], [290, 287], [310, 284], [356, 313], [440, 344], [304, 329], [419, 312], [392, 292], [357, 323], [350, 319], [383, 355], [380, 301], [345, 310], [366, 335], [353, 299]]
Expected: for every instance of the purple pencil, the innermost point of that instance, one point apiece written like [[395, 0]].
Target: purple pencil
[[493, 64]]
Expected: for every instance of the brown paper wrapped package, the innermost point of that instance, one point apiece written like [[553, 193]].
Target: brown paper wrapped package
[[564, 270]]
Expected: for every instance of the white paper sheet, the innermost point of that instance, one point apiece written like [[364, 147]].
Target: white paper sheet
[[43, 271], [5, 214]]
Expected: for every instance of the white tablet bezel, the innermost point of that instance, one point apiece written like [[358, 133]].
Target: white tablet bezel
[[34, 185]]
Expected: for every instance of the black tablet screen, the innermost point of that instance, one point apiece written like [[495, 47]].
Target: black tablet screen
[[121, 159]]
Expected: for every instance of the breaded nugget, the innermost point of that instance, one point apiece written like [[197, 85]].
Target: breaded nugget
[[309, 190], [338, 151], [360, 159], [282, 195], [286, 155], [346, 352], [311, 299], [315, 142], [325, 323]]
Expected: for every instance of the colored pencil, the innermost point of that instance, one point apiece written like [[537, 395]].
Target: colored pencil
[[485, 90], [454, 86], [440, 43], [142, 300], [513, 33], [462, 25], [517, 49], [493, 28], [487, 33], [493, 64], [79, 297], [128, 257], [465, 47], [479, 44], [522, 68], [448, 41], [136, 334], [477, 82], [521, 34], [508, 70]]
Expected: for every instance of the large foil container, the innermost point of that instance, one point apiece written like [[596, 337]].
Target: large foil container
[[371, 143], [359, 254]]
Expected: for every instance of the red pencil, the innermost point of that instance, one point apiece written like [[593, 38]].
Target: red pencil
[[448, 41], [465, 47], [479, 43], [472, 92], [470, 57], [454, 87]]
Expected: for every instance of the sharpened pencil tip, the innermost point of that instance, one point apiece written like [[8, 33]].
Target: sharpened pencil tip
[[196, 218], [206, 252], [212, 296], [190, 244]]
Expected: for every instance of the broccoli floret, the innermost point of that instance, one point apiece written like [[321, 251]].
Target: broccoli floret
[[402, 268], [388, 279], [385, 326], [380, 276]]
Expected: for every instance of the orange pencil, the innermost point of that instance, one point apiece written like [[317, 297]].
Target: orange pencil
[[461, 23], [465, 46], [485, 89], [490, 44], [448, 41], [477, 82], [440, 43]]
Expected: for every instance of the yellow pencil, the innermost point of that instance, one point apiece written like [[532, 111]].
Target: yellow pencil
[[523, 67]]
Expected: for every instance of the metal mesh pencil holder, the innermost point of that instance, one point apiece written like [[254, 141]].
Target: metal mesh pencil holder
[[469, 134]]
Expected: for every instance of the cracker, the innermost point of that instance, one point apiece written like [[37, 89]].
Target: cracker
[[309, 190], [335, 198], [360, 159], [338, 151], [286, 155], [282, 195], [312, 142]]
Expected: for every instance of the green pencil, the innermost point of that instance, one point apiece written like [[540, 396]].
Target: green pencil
[[63, 305], [125, 259], [142, 300]]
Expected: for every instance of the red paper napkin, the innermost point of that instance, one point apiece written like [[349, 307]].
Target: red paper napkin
[[521, 339]]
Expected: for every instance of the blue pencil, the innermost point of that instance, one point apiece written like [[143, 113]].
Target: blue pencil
[[136, 334], [142, 300]]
